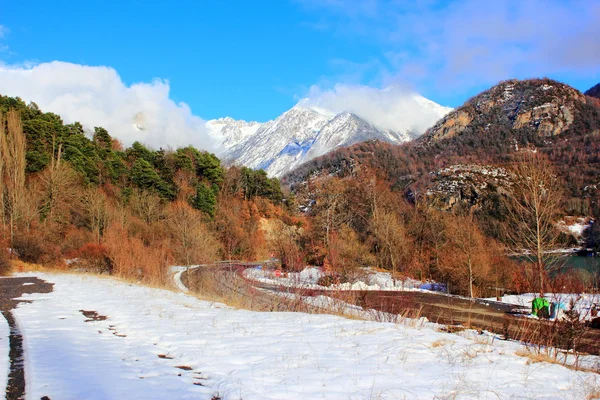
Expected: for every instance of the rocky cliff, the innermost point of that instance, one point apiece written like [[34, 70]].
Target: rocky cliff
[[514, 109]]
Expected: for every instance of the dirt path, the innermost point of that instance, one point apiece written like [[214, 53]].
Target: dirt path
[[10, 290]]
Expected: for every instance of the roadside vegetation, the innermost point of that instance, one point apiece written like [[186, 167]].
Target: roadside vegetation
[[77, 200]]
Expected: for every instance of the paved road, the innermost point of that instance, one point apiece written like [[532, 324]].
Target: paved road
[[10, 290]]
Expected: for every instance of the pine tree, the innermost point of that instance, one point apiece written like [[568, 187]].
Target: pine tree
[[204, 200]]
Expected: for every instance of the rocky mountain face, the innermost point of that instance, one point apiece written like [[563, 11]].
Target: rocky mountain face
[[540, 107], [301, 134], [467, 183]]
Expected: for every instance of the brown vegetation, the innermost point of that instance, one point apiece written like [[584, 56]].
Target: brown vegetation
[[534, 208]]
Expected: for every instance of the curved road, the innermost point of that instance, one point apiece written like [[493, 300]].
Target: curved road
[[454, 311]]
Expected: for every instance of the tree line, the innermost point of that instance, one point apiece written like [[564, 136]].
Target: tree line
[[68, 194]]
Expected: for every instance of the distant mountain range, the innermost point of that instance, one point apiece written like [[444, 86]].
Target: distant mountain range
[[304, 132]]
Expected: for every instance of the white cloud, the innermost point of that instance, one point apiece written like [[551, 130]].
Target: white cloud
[[395, 107], [96, 96], [3, 31]]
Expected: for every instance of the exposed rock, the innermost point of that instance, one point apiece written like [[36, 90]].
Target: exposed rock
[[469, 184], [543, 106]]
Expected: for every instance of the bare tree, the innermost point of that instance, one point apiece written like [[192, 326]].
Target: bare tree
[[59, 186], [193, 241], [147, 205], [3, 154], [534, 208], [469, 255], [94, 204], [12, 154], [391, 239], [283, 240]]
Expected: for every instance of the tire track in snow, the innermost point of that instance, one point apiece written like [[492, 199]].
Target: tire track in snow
[[15, 389], [11, 290]]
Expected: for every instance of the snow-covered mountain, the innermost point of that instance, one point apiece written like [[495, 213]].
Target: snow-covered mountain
[[303, 133], [232, 131]]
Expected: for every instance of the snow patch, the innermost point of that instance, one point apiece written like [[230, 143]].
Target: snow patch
[[308, 278]]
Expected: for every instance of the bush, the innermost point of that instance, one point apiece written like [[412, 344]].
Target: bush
[[4, 261], [326, 280], [335, 279], [28, 248], [92, 257], [36, 250]]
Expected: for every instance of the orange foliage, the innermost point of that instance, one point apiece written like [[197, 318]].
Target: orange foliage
[[132, 259]]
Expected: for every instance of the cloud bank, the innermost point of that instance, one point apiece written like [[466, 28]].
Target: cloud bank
[[468, 43], [394, 107], [96, 96]]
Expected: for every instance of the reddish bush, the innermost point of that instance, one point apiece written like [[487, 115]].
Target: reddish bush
[[570, 281], [132, 259], [92, 257]]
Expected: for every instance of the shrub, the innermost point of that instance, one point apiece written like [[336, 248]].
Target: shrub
[[4, 261], [92, 257], [326, 280], [28, 248], [332, 279], [132, 259], [36, 250]]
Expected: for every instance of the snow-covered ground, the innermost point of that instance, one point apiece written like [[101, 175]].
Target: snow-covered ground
[[4, 349], [308, 278], [240, 354]]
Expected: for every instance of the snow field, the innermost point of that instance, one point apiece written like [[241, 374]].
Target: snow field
[[253, 355]]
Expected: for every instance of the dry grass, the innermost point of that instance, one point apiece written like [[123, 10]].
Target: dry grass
[[226, 286], [452, 328], [534, 357], [22, 266], [550, 356], [441, 343]]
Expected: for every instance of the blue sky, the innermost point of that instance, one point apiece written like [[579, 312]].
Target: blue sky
[[254, 59]]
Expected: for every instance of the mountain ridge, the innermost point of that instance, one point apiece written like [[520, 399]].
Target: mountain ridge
[[488, 131], [304, 132]]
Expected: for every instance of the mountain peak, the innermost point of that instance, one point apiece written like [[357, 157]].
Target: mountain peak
[[540, 107], [303, 132], [594, 91]]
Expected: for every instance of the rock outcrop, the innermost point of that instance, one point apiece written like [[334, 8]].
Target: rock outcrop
[[542, 107]]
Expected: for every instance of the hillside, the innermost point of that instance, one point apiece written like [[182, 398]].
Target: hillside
[[488, 129], [594, 91], [464, 160], [66, 195]]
